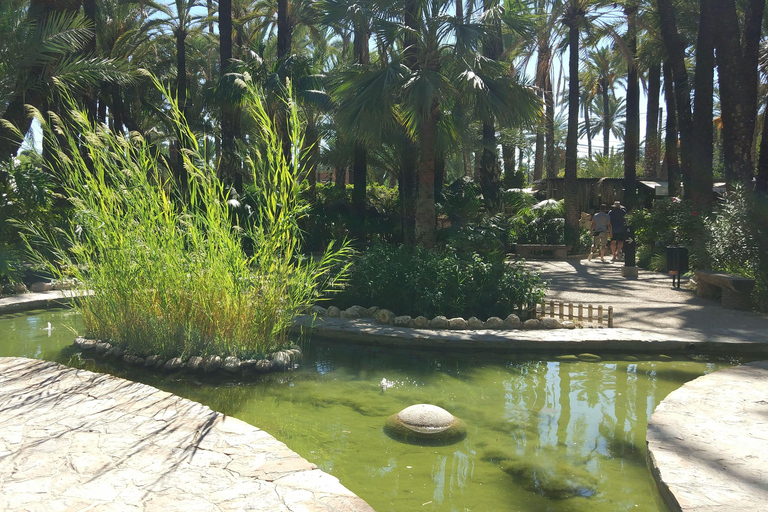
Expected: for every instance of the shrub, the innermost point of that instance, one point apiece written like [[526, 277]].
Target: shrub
[[167, 267], [542, 223], [737, 239], [416, 281]]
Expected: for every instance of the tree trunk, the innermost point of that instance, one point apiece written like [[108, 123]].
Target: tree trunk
[[606, 117], [410, 149], [670, 143], [572, 139], [651, 122], [228, 170], [360, 166], [737, 56], [549, 99], [426, 221], [587, 129], [632, 133], [701, 171], [284, 29], [762, 164], [541, 83], [508, 157], [676, 51]]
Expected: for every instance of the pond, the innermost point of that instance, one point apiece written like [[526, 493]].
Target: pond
[[543, 435]]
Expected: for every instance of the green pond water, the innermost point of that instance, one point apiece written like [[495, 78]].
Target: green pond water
[[543, 435]]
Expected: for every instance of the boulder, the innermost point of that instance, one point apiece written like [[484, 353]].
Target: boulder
[[334, 312], [475, 323], [40, 287], [570, 358], [88, 344], [569, 325], [592, 358], [421, 322], [457, 323], [371, 311], [232, 364], [403, 321], [263, 365], [103, 347], [550, 323], [195, 363], [211, 363], [351, 312], [281, 360], [115, 352], [512, 322], [295, 354], [20, 288], [531, 323], [318, 310], [133, 360], [385, 316], [173, 364], [439, 322], [426, 424], [494, 323], [151, 361]]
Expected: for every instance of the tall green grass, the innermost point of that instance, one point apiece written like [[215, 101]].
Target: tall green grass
[[165, 261]]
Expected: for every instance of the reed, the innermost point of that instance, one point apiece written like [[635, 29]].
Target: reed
[[165, 260]]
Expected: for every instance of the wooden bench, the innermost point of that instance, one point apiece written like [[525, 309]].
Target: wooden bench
[[558, 252], [735, 290]]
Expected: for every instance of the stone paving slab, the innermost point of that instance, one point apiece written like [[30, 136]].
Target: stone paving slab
[[368, 331], [77, 440], [708, 442]]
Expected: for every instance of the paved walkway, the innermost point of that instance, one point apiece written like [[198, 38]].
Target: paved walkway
[[708, 442], [76, 440]]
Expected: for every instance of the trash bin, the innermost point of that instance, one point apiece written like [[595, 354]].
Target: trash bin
[[677, 262]]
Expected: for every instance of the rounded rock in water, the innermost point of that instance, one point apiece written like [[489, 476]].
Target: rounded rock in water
[[425, 424]]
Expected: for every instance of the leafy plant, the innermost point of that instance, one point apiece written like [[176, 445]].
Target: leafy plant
[[164, 261], [737, 239], [542, 223], [417, 281]]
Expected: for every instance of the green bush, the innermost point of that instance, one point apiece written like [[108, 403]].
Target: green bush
[[414, 281], [165, 263], [737, 239], [669, 223], [543, 223]]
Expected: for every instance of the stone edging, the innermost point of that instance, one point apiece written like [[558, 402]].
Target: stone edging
[[387, 317], [282, 360]]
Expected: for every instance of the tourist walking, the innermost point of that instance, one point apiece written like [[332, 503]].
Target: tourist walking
[[601, 230], [619, 228]]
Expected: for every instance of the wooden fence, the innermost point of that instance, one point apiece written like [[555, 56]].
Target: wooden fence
[[580, 313]]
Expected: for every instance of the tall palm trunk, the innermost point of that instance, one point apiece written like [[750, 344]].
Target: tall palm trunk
[[676, 51], [409, 161], [284, 32], [701, 179], [761, 184], [572, 139], [737, 67], [541, 83], [426, 220], [632, 133], [651, 124], [360, 153], [606, 117], [588, 129], [549, 99], [228, 168], [490, 172], [670, 143]]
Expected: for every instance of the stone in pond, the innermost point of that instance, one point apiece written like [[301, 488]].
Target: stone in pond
[[592, 358], [567, 358], [425, 424], [663, 357]]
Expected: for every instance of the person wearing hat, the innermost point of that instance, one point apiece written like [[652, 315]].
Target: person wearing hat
[[601, 230], [619, 224]]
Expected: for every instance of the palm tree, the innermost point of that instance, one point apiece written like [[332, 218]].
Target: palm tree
[[38, 60], [604, 66]]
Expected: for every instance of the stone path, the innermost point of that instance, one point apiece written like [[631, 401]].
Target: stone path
[[76, 440], [708, 442]]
